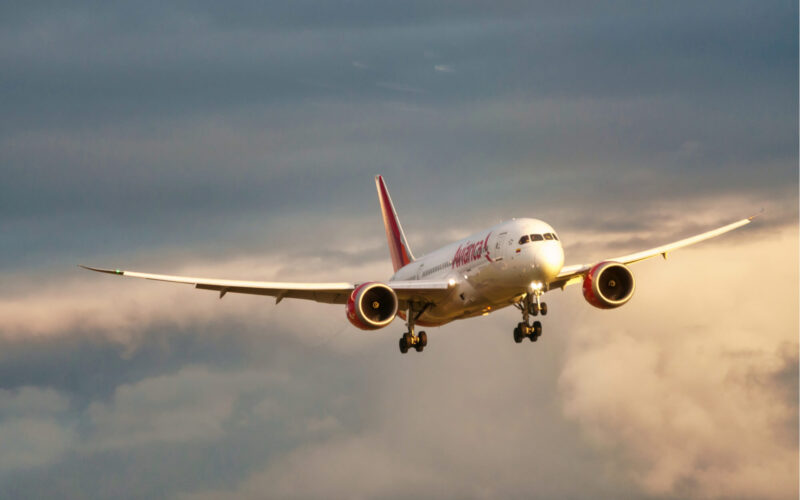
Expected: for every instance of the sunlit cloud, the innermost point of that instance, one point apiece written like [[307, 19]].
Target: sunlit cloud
[[687, 394]]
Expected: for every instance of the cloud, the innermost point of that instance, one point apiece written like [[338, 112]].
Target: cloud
[[32, 432], [241, 142], [322, 420], [191, 405], [691, 402], [443, 68], [400, 87]]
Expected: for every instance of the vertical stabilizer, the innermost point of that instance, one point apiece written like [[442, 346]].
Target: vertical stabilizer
[[398, 246]]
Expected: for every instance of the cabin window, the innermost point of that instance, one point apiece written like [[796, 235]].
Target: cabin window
[[537, 237], [524, 239]]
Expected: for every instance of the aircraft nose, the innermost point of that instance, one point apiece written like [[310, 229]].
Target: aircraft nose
[[550, 260]]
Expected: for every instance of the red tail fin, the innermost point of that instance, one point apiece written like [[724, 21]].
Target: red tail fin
[[398, 246]]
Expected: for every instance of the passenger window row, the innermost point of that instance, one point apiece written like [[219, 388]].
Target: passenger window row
[[537, 237]]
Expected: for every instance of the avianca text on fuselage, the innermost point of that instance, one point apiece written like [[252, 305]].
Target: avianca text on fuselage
[[470, 252]]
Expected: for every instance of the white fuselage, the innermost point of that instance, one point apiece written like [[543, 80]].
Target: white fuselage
[[490, 269]]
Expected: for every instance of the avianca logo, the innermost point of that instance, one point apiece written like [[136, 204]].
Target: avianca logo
[[471, 252]]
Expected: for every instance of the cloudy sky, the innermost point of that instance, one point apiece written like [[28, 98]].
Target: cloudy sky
[[240, 139]]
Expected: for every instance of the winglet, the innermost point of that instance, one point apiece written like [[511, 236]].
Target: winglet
[[107, 271], [398, 246]]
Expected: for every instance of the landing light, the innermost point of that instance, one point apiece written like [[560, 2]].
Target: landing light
[[536, 285], [451, 282]]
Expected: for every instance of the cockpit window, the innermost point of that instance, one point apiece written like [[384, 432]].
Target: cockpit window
[[536, 237], [548, 236], [555, 236], [524, 239]]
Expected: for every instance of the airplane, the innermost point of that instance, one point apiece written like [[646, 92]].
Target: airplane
[[513, 263]]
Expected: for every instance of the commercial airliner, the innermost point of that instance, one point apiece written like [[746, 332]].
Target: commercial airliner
[[511, 264]]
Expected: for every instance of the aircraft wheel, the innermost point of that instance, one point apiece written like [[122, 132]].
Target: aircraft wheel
[[544, 308], [517, 334], [419, 347], [537, 328], [534, 309], [403, 345], [423, 339]]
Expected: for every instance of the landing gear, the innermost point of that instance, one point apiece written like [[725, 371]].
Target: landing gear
[[418, 342], [536, 331], [530, 305], [535, 306], [410, 339], [518, 335]]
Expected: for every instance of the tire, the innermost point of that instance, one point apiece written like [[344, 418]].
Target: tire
[[544, 308], [518, 335], [419, 347], [534, 311], [403, 345], [423, 339], [537, 329]]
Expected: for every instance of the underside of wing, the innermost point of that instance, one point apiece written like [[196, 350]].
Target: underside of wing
[[420, 292], [574, 274], [332, 293]]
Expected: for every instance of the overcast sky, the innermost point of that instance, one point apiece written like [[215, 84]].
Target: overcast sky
[[240, 139]]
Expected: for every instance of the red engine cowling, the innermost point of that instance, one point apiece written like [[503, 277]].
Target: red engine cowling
[[608, 285], [372, 306]]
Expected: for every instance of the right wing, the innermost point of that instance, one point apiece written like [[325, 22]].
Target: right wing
[[574, 274], [331, 293]]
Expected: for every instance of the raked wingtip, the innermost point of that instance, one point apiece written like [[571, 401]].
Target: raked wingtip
[[759, 214], [99, 270]]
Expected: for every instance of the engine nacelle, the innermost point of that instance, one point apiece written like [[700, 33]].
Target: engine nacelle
[[608, 285], [372, 306]]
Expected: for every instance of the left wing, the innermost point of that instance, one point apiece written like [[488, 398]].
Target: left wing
[[331, 293], [574, 274]]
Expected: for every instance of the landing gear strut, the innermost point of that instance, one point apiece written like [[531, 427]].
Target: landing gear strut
[[535, 305], [410, 339], [530, 305]]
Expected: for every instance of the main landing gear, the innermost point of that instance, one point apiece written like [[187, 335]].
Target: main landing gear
[[410, 339], [530, 305]]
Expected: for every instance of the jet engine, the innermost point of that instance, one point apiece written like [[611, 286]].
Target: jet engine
[[372, 306], [608, 285]]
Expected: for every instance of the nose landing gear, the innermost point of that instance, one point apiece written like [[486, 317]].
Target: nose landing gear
[[536, 306], [530, 305]]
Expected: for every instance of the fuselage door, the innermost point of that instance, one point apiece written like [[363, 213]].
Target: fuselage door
[[500, 248]]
